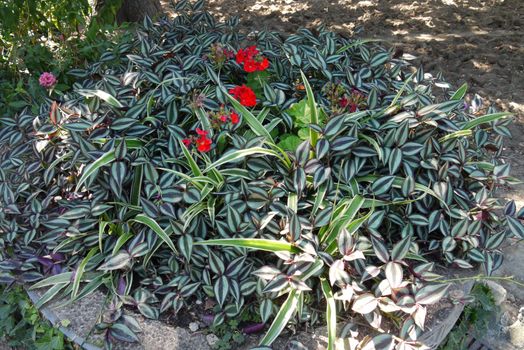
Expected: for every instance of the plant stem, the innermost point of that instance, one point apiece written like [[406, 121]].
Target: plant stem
[[483, 277]]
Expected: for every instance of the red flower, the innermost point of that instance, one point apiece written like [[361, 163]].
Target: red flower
[[250, 66], [264, 64], [234, 118], [252, 60], [343, 102], [186, 142], [245, 95], [203, 143], [352, 107], [223, 118], [201, 132]]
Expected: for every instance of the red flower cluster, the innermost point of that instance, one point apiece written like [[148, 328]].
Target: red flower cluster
[[245, 95], [203, 142], [252, 60], [219, 54], [354, 101], [223, 117]]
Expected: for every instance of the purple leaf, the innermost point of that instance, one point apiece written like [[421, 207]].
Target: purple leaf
[[208, 319], [121, 286], [253, 328]]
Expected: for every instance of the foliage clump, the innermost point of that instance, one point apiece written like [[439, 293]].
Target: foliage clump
[[172, 169]]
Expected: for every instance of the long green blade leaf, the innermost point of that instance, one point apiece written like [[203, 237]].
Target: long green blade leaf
[[460, 93], [110, 99], [312, 108], [80, 271], [331, 313], [192, 164], [268, 245], [485, 119], [106, 158], [239, 154], [456, 134], [152, 224], [284, 315], [250, 119], [64, 277]]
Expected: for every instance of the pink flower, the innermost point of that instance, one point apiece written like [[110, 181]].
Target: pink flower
[[47, 80]]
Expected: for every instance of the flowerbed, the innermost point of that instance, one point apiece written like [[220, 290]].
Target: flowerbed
[[181, 159]]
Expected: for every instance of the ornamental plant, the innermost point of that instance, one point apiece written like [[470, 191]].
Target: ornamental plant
[[169, 172]]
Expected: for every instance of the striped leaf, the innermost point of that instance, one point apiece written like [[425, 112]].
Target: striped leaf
[[287, 310], [250, 119], [313, 135], [106, 158], [102, 95], [80, 272], [431, 294], [192, 164], [515, 227], [116, 262], [460, 93], [331, 313], [221, 289], [240, 154], [64, 277], [488, 118], [253, 243], [152, 224]]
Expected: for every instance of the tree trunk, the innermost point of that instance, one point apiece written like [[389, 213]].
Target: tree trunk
[[136, 10]]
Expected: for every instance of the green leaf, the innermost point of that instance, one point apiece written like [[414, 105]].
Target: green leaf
[[485, 119], [106, 158], [192, 164], [221, 289], [116, 262], [401, 249], [456, 134], [64, 277], [460, 93], [185, 244], [148, 311], [49, 294], [289, 142], [268, 245], [122, 332], [102, 95], [239, 154], [375, 145], [80, 271], [313, 135], [266, 309], [431, 294], [398, 181], [515, 226], [287, 310], [136, 189], [152, 224], [250, 119], [341, 218], [331, 313]]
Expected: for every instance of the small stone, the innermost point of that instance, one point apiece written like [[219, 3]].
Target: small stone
[[193, 326], [212, 339], [499, 292]]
